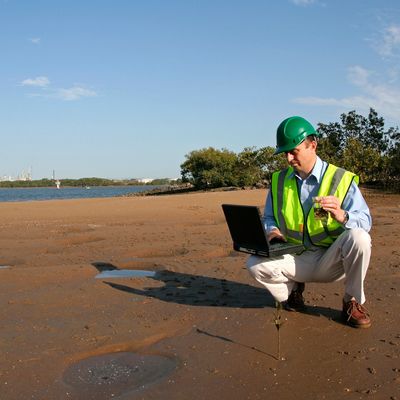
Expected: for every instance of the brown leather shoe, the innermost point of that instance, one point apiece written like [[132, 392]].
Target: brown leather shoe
[[356, 315], [295, 302]]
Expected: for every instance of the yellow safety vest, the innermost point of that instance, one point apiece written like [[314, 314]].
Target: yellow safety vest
[[288, 211]]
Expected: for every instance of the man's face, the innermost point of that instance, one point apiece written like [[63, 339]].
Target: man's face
[[302, 158]]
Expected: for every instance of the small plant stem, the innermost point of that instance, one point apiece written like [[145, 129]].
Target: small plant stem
[[279, 344], [278, 322]]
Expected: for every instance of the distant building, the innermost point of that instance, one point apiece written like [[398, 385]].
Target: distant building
[[23, 176], [145, 180]]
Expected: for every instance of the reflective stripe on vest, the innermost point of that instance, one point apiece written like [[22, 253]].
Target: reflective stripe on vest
[[289, 214]]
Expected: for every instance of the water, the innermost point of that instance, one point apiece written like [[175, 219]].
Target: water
[[31, 194], [126, 273]]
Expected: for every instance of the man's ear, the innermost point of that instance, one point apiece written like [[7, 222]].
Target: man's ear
[[314, 143]]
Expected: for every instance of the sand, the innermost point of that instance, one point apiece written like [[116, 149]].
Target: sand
[[202, 313]]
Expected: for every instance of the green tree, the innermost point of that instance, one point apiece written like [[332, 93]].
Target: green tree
[[248, 168], [393, 157], [360, 144], [210, 168], [368, 130], [268, 162], [332, 142], [365, 160]]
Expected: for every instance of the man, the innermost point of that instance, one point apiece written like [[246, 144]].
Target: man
[[336, 245]]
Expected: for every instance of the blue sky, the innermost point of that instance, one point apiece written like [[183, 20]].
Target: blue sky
[[127, 88]]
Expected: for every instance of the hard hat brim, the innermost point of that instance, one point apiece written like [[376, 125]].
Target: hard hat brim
[[289, 147]]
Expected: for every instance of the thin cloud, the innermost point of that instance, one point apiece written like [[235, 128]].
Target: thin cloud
[[34, 40], [40, 81], [387, 44], [304, 3], [358, 75], [380, 96], [74, 93], [391, 40]]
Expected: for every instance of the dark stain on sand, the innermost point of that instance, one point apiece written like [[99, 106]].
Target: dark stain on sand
[[112, 375]]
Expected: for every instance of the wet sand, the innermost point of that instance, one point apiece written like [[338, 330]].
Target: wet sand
[[201, 310]]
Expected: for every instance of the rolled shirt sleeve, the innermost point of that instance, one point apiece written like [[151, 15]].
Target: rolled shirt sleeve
[[268, 218], [359, 214]]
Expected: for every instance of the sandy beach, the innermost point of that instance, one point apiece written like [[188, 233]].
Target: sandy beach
[[200, 328]]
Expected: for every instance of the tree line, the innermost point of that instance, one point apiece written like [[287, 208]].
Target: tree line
[[360, 144], [83, 182]]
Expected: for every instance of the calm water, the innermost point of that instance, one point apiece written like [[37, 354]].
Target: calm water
[[30, 194]]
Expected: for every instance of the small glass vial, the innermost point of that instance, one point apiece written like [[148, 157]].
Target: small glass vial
[[319, 212]]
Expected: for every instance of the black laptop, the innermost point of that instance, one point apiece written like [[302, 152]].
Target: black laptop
[[248, 233]]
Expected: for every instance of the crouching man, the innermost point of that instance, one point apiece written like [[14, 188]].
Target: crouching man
[[319, 205]]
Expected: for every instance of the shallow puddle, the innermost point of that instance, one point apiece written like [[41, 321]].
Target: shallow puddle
[[126, 273], [113, 375], [4, 266]]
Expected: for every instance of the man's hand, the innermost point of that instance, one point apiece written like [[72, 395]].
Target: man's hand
[[276, 234], [332, 204]]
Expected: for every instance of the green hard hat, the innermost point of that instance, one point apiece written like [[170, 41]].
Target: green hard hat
[[291, 132]]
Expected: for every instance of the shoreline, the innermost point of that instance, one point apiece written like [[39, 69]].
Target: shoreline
[[161, 192]]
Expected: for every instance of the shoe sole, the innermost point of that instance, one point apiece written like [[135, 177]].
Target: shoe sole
[[357, 326]]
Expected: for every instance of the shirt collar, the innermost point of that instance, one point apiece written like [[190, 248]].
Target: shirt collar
[[317, 171]]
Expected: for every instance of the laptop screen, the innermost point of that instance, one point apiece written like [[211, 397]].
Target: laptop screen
[[245, 226]]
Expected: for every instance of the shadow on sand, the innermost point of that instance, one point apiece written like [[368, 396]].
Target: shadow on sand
[[196, 290], [225, 339]]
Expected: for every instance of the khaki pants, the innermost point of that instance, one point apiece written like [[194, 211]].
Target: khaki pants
[[348, 257]]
